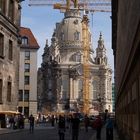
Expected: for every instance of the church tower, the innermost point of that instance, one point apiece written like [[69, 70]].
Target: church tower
[[101, 57]]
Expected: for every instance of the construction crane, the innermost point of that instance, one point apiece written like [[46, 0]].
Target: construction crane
[[86, 69], [87, 6]]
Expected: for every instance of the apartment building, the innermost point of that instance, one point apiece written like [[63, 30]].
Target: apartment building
[[28, 73], [10, 11]]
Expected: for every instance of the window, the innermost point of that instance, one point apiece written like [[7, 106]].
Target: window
[[98, 60], [65, 84], [80, 89], [26, 95], [75, 57], [62, 36], [26, 80], [9, 85], [11, 10], [0, 91], [27, 55], [95, 89], [20, 109], [20, 97], [78, 57], [27, 67], [24, 40], [10, 55], [77, 35], [2, 6], [50, 84], [26, 111], [1, 45]]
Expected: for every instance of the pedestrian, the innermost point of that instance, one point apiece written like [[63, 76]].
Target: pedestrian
[[31, 121], [11, 121], [75, 123], [98, 127], [61, 128], [105, 116], [52, 120], [109, 128], [86, 122]]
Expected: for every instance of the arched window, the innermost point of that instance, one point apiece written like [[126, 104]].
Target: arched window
[[62, 36], [76, 57], [65, 84], [95, 89], [98, 60], [80, 89], [77, 35]]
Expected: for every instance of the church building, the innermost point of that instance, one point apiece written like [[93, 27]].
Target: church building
[[72, 77]]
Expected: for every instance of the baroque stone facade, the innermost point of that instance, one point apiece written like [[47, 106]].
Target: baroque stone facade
[[62, 75], [9, 53]]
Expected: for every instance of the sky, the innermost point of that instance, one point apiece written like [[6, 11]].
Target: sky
[[42, 19]]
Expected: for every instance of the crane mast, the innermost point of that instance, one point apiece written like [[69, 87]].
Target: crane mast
[[86, 73]]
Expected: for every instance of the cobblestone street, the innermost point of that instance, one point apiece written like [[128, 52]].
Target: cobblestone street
[[49, 133]]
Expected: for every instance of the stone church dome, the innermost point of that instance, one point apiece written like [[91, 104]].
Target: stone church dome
[[70, 29]]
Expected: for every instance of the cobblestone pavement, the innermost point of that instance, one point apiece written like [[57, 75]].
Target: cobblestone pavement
[[49, 133]]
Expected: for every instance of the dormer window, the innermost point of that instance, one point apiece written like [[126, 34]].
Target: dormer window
[[24, 40], [77, 35]]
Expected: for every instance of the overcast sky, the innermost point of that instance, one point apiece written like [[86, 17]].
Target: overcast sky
[[41, 20]]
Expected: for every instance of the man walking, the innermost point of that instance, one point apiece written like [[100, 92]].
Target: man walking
[[98, 127], [61, 128], [75, 127], [109, 129], [31, 121]]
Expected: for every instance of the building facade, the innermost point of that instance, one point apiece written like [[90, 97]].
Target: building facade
[[63, 65], [126, 48], [9, 54], [113, 97], [28, 73]]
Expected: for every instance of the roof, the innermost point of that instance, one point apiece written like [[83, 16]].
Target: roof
[[32, 42]]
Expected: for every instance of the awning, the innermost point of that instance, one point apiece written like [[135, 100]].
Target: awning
[[9, 112]]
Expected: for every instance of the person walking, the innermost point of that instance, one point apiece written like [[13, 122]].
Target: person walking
[[75, 122], [31, 121], [109, 128], [86, 122], [52, 120], [98, 127], [61, 128]]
